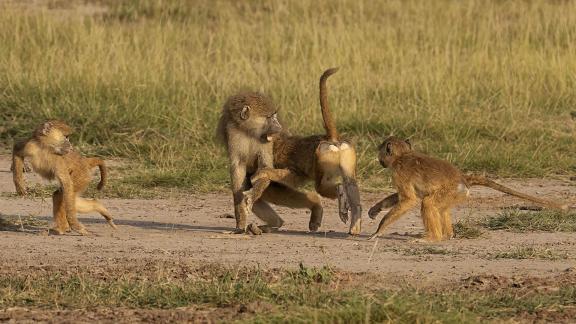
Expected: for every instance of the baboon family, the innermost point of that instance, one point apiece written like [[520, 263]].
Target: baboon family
[[269, 165]]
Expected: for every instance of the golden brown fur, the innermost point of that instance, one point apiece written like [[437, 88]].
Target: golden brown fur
[[439, 185], [246, 127], [324, 159], [53, 157]]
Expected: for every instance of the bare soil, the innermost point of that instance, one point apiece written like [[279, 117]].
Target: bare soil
[[194, 230]]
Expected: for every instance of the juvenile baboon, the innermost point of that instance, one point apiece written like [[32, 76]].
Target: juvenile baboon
[[325, 159], [439, 185], [53, 157], [246, 126]]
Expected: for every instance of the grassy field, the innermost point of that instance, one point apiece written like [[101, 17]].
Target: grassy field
[[308, 295], [488, 85]]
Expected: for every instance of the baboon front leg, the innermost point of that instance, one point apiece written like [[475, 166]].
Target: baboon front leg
[[239, 184], [382, 204], [403, 206], [286, 196], [89, 205], [59, 213]]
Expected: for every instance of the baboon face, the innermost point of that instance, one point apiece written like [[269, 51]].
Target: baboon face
[[54, 135], [258, 116], [391, 149]]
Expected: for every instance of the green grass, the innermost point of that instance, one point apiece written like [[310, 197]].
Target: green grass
[[485, 84], [467, 230], [518, 221], [304, 295]]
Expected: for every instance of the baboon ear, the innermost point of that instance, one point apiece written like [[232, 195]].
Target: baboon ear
[[408, 142], [389, 148], [245, 113]]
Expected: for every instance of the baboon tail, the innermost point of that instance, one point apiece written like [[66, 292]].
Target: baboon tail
[[329, 123], [483, 181], [103, 171]]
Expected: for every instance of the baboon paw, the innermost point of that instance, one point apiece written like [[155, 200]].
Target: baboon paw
[[255, 230], [373, 212], [239, 231], [83, 231]]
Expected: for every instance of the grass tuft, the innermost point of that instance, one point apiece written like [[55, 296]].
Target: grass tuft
[[520, 221]]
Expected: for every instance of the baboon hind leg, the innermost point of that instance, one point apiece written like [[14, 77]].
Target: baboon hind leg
[[289, 197], [265, 212], [92, 205], [432, 219], [352, 193]]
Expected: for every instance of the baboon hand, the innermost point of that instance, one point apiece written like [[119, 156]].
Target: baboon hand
[[374, 211]]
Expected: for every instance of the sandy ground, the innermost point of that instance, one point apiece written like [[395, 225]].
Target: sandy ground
[[192, 230]]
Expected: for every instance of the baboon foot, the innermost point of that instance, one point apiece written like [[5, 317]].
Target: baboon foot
[[111, 223], [57, 231], [268, 229], [255, 230]]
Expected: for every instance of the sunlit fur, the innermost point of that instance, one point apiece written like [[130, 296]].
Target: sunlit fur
[[437, 183], [53, 157], [325, 159], [247, 124]]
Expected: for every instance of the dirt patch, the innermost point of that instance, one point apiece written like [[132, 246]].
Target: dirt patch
[[193, 229]]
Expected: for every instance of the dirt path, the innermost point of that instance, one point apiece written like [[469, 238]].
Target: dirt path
[[192, 230]]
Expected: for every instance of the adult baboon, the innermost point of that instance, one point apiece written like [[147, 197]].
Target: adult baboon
[[325, 159]]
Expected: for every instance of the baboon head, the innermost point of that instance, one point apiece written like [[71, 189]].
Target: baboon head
[[391, 149], [255, 114], [53, 134]]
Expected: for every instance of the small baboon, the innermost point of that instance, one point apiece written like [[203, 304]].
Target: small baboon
[[247, 125], [53, 157], [325, 159], [439, 185]]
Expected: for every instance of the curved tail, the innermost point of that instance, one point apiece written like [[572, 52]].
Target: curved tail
[[329, 123], [92, 162], [483, 181]]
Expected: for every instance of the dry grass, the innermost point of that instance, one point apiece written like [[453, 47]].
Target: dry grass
[[488, 85]]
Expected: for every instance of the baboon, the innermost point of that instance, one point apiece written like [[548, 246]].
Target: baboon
[[325, 159], [246, 126], [439, 185], [53, 157]]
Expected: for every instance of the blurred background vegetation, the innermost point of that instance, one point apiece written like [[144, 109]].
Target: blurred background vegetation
[[488, 85]]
